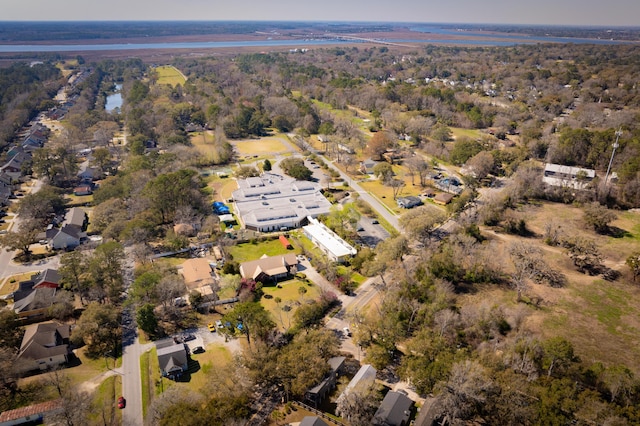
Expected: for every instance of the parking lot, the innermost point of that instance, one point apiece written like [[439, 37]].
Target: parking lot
[[370, 232]]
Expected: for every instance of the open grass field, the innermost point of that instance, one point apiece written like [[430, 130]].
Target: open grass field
[[248, 251], [104, 401], [355, 115], [289, 294], [168, 74], [215, 356], [262, 146], [600, 318], [222, 187], [204, 143], [458, 132], [384, 193]]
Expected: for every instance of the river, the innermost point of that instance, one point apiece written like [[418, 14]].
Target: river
[[482, 39]]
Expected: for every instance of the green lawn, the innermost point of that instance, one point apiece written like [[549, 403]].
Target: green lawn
[[215, 355], [104, 401], [149, 376], [168, 74], [261, 146], [248, 251], [470, 133], [348, 114], [290, 295], [203, 142], [597, 317]]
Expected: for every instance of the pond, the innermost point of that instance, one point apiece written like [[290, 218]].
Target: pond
[[115, 100]]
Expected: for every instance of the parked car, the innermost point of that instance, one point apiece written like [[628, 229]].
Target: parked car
[[219, 324], [346, 331], [198, 350], [122, 402], [375, 221], [212, 328]]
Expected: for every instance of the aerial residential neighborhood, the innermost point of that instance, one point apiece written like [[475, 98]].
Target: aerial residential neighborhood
[[370, 231]]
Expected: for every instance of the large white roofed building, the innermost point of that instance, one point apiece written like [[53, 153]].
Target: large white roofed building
[[271, 202]]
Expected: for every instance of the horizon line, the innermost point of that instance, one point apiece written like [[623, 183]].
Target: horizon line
[[42, 21]]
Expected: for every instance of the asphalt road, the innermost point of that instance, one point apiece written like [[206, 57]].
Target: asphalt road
[[131, 352], [131, 380]]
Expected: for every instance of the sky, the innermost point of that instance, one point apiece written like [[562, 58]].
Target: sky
[[551, 12]]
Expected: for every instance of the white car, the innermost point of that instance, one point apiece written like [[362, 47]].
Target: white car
[[346, 331]]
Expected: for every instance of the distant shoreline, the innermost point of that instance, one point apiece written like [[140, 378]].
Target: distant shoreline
[[156, 41]]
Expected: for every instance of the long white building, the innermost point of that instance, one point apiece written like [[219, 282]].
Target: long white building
[[567, 176], [328, 241]]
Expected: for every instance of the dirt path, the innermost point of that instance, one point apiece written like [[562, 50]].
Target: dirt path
[[90, 385]]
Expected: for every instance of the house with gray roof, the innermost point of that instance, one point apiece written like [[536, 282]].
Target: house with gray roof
[[312, 421], [34, 306], [72, 230], [395, 410], [364, 379], [67, 237], [567, 176], [172, 358], [44, 345]]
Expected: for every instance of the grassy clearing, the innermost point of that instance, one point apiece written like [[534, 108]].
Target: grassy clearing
[[262, 146], [248, 251], [355, 115], [168, 74], [384, 194], [458, 132], [290, 295], [204, 144], [222, 187], [215, 356], [595, 315], [200, 367], [149, 376], [104, 401]]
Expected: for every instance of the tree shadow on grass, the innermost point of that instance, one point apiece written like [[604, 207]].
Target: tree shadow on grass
[[616, 232]]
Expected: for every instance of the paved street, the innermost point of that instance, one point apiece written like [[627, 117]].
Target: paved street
[[131, 383]]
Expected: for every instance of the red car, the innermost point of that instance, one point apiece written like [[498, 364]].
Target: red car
[[122, 402]]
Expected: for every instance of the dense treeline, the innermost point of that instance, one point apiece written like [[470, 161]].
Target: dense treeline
[[24, 91], [560, 103]]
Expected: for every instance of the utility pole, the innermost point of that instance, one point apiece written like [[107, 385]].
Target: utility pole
[[615, 146]]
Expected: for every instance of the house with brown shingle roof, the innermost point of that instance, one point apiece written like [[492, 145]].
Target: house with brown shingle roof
[[44, 345], [197, 273], [269, 268]]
